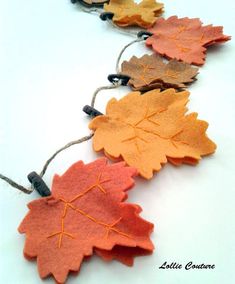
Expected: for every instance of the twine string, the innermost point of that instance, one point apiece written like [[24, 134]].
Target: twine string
[[123, 50], [45, 167], [121, 30], [68, 145], [114, 85], [15, 185], [109, 87], [91, 10], [99, 11], [117, 84]]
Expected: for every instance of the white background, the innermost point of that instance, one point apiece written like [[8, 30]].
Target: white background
[[52, 58]]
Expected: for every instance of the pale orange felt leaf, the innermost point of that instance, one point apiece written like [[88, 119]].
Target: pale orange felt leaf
[[146, 130], [184, 39], [129, 13], [85, 214], [150, 72]]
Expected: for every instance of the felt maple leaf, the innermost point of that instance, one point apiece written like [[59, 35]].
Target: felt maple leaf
[[184, 39], [85, 213], [150, 72], [147, 130], [129, 13]]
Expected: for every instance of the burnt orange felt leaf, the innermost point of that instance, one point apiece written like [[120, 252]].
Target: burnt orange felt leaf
[[146, 130], [129, 13], [184, 39], [85, 212], [150, 72]]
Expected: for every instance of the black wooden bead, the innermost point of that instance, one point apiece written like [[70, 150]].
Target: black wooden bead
[[115, 78], [106, 15], [144, 34], [38, 184], [91, 111]]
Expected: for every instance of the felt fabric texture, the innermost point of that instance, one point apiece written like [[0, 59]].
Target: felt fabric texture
[[184, 39], [129, 13], [123, 254], [84, 214], [147, 130], [151, 71]]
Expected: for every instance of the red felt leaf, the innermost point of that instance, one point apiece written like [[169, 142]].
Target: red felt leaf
[[85, 213], [184, 39]]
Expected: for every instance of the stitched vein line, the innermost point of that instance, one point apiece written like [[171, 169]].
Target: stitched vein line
[[68, 204], [108, 226], [147, 117], [145, 69], [62, 232], [172, 140], [97, 184], [172, 74]]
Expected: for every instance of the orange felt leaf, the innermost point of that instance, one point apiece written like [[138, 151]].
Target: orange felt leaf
[[150, 71], [184, 39], [146, 130], [129, 13], [85, 213]]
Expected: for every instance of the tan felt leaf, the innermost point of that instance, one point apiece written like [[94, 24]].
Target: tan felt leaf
[[146, 130], [150, 71], [129, 13], [184, 39]]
